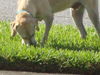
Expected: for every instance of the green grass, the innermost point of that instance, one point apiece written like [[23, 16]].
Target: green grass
[[65, 51]]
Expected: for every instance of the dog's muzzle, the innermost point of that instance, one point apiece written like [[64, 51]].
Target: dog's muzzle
[[29, 41]]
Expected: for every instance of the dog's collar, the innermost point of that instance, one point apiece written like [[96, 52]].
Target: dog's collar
[[22, 11]]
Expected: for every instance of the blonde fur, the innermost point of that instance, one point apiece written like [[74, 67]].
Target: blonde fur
[[25, 24]]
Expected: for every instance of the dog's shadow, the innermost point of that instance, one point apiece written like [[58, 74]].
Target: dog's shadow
[[73, 47]]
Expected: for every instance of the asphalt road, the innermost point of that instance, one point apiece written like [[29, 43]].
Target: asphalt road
[[8, 10]]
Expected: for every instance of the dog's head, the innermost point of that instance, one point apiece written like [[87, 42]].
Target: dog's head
[[25, 25]]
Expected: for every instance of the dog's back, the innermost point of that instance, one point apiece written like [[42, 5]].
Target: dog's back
[[59, 5]]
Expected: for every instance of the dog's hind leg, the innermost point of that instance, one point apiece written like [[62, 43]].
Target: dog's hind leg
[[77, 13], [93, 12]]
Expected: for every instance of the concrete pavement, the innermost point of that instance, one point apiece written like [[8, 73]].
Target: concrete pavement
[[28, 73]]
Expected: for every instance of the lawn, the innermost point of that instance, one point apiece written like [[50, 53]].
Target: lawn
[[65, 51]]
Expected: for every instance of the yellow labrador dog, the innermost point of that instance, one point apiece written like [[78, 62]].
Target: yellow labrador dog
[[29, 12]]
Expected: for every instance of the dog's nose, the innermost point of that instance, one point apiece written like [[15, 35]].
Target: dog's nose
[[29, 42]]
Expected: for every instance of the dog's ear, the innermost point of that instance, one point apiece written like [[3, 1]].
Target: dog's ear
[[14, 26]]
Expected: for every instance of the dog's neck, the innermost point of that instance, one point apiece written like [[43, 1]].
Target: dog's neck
[[24, 11], [26, 6]]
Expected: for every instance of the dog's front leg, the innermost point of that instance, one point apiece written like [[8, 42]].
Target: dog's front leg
[[77, 14], [48, 21]]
